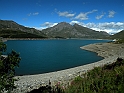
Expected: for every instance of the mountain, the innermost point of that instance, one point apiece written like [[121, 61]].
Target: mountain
[[65, 30], [119, 35], [89, 33], [11, 29]]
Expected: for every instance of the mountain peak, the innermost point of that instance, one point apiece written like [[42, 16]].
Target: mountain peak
[[64, 24], [61, 26], [65, 30]]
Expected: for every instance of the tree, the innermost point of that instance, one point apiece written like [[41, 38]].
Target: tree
[[7, 68]]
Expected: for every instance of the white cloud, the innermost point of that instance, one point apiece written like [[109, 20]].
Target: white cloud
[[48, 24], [66, 14], [109, 27], [100, 16], [40, 28], [111, 14], [81, 16], [84, 16], [36, 13], [76, 22], [92, 11]]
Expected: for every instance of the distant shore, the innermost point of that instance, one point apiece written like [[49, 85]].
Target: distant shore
[[106, 50], [109, 51], [5, 39]]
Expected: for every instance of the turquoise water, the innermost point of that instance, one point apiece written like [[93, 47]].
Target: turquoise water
[[42, 56]]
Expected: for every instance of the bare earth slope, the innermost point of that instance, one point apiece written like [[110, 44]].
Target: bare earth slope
[[106, 50]]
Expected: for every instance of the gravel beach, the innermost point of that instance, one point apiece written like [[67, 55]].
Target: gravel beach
[[109, 51]]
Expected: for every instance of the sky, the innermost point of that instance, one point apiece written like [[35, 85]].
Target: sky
[[99, 15]]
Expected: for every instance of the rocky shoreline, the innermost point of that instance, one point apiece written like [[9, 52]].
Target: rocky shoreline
[[106, 50], [109, 51]]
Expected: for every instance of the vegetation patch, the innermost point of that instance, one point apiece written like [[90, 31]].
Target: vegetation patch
[[108, 78], [18, 34], [7, 69]]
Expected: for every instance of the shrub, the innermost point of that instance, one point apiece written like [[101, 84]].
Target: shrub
[[7, 69]]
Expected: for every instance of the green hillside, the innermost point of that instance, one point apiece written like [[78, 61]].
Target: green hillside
[[11, 29], [17, 34], [119, 37]]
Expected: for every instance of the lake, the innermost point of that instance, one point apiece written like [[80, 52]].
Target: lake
[[42, 56]]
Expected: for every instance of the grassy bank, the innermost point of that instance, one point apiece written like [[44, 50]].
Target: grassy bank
[[119, 41], [109, 78]]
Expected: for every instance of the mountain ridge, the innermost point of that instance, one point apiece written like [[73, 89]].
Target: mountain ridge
[[66, 30], [119, 35], [11, 29]]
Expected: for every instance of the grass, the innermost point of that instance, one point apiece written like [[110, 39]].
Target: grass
[[18, 34], [109, 78], [119, 41]]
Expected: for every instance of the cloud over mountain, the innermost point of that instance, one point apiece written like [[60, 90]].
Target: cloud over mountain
[[48, 24], [110, 27]]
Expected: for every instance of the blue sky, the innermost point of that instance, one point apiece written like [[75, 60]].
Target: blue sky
[[100, 15]]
